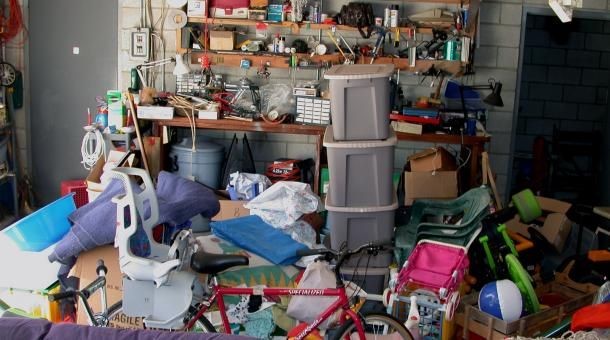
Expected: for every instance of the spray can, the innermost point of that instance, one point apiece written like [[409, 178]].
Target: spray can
[[450, 50], [394, 16]]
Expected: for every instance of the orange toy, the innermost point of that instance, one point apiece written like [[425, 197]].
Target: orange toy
[[314, 335]]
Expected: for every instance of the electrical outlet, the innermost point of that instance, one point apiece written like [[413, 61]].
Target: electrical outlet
[[139, 47]]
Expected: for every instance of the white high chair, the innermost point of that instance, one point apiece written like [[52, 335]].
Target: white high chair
[[157, 287]]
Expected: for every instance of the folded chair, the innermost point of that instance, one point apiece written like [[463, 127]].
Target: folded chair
[[470, 208]]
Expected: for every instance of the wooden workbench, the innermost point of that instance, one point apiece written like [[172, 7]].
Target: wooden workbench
[[475, 143]]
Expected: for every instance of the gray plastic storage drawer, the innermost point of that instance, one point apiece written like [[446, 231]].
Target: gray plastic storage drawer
[[353, 227], [360, 100], [360, 173], [372, 279]]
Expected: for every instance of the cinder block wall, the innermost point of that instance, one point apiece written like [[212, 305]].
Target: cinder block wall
[[497, 57], [564, 82]]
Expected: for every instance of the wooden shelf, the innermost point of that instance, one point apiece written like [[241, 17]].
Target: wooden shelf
[[238, 125], [234, 58], [295, 27], [443, 138]]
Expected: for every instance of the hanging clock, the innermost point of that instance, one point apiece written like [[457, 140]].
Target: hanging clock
[[8, 74]]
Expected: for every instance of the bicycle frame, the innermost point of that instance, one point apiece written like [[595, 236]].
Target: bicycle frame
[[341, 303]]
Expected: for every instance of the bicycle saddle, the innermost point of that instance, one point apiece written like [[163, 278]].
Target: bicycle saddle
[[206, 263]]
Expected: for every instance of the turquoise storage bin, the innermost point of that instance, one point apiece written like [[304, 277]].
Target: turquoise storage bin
[[43, 227]]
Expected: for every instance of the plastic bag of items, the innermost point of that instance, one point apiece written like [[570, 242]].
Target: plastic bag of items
[[283, 203], [246, 186], [277, 100]]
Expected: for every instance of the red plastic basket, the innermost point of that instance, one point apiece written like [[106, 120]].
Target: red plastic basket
[[79, 188]]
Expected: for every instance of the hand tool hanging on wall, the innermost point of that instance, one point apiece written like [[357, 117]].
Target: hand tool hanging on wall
[[381, 33]]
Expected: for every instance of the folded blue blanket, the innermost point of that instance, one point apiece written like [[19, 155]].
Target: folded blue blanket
[[95, 223], [253, 234]]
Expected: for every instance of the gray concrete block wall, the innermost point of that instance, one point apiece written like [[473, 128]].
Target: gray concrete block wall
[[566, 81], [496, 56]]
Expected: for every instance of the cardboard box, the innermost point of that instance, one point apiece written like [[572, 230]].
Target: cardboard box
[[428, 184], [94, 182], [231, 209], [222, 40], [556, 226], [432, 159], [196, 8], [85, 270]]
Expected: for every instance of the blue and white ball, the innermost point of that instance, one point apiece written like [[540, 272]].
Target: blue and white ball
[[501, 299]]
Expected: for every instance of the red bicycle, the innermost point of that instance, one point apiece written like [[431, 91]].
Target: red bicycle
[[364, 325]]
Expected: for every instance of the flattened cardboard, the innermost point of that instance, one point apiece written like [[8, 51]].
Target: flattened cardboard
[[428, 184], [231, 209]]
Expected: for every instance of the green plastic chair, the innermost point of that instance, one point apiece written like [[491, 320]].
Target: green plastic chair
[[472, 206]]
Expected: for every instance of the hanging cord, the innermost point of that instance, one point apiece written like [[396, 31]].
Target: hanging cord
[[11, 24], [189, 110], [93, 147]]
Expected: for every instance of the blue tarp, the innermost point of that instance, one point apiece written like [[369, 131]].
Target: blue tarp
[[253, 234]]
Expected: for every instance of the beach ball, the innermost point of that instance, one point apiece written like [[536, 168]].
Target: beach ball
[[501, 299]]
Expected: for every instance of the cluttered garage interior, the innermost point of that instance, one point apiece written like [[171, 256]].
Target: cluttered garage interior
[[304, 169]]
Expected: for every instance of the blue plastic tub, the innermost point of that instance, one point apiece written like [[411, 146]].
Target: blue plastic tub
[[43, 227]]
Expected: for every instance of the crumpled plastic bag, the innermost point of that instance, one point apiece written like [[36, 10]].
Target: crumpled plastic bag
[[283, 203], [246, 186]]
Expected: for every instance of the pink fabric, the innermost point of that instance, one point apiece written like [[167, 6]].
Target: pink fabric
[[433, 265]]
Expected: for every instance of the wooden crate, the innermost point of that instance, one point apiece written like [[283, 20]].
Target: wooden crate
[[471, 319]]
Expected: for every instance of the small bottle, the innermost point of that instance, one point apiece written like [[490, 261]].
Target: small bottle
[[315, 14], [276, 43], [281, 44], [394, 16], [412, 323]]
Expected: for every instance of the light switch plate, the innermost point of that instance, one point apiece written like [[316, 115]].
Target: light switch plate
[[139, 48]]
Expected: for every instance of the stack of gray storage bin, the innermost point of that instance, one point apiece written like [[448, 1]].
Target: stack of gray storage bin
[[360, 148]]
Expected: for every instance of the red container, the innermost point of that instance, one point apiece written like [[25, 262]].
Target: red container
[[79, 188]]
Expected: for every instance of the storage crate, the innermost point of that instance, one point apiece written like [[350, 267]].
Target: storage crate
[[360, 172], [576, 296], [79, 188], [353, 227], [360, 106]]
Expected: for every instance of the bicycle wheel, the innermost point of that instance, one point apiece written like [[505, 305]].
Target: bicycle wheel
[[374, 324], [202, 325]]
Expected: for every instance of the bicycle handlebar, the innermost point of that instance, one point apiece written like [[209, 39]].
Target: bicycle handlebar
[[341, 256], [62, 295]]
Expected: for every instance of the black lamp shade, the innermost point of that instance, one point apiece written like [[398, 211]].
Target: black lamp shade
[[494, 97]]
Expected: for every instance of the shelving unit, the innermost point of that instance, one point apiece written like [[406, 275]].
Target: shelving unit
[[233, 59], [7, 131]]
